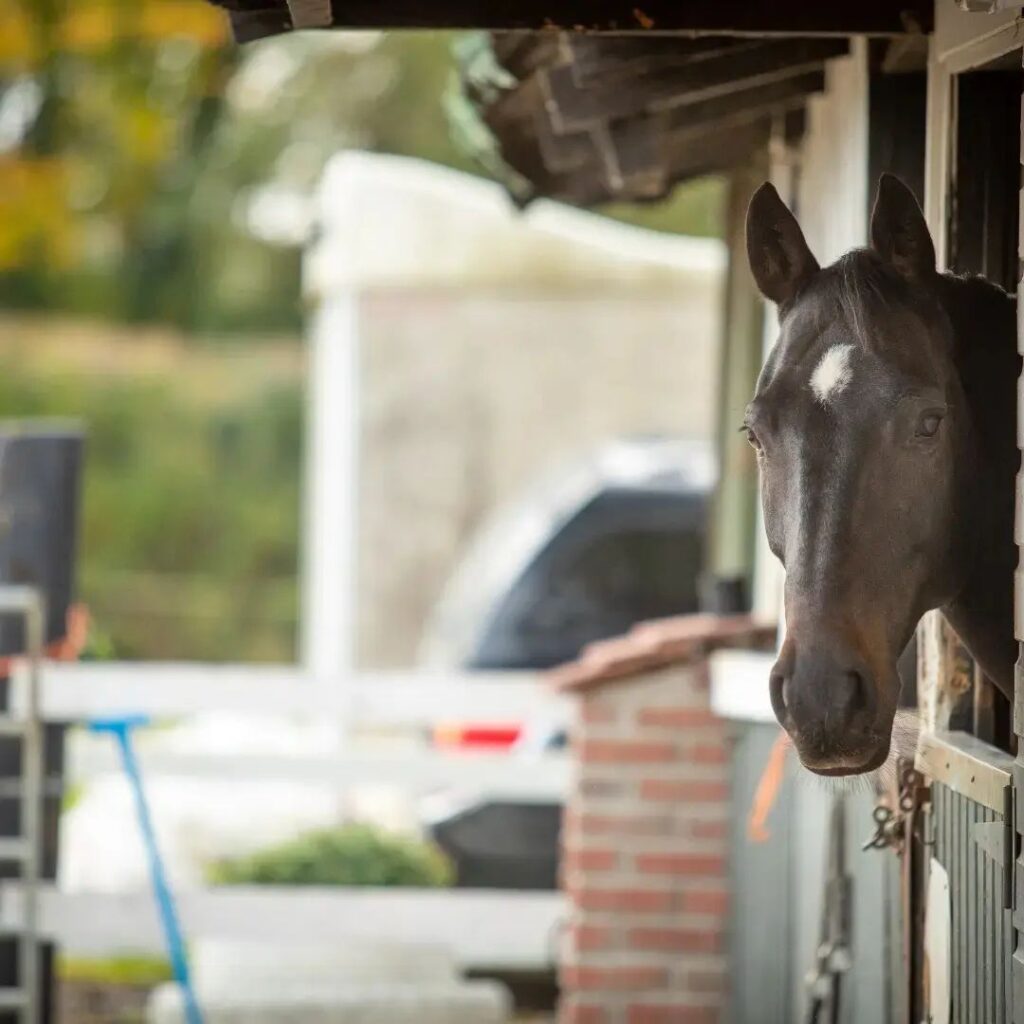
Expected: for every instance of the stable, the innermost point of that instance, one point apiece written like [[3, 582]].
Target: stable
[[592, 101]]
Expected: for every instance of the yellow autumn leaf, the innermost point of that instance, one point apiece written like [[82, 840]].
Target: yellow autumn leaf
[[34, 218], [93, 26]]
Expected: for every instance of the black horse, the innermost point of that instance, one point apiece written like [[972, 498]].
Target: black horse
[[884, 423]]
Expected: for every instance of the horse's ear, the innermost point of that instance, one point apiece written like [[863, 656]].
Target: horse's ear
[[899, 233], [779, 258]]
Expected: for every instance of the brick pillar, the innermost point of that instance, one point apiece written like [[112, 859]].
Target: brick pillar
[[645, 844]]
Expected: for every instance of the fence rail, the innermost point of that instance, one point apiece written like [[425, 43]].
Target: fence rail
[[512, 929], [540, 777], [483, 928], [372, 699]]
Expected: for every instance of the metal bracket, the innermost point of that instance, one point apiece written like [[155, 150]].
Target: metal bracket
[[997, 841]]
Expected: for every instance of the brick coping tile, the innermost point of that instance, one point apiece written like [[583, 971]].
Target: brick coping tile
[[660, 643]]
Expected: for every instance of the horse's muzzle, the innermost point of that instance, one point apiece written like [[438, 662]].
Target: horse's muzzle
[[826, 698]]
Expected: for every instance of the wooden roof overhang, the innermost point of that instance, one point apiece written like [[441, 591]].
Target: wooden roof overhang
[[254, 18], [589, 101], [592, 118]]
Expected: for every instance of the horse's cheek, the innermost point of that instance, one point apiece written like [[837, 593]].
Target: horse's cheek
[[776, 517]]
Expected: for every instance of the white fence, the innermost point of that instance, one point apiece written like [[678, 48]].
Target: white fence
[[483, 927], [73, 692], [361, 705]]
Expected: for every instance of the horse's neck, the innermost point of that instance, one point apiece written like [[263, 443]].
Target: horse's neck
[[984, 322]]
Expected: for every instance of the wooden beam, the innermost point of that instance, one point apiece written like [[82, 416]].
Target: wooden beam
[[687, 126], [708, 17], [639, 180], [573, 107], [598, 59], [523, 53], [748, 102], [681, 152]]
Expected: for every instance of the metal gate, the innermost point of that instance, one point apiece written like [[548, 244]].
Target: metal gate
[[966, 849], [967, 836]]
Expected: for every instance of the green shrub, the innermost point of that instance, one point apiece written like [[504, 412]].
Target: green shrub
[[190, 515], [351, 855], [116, 970]]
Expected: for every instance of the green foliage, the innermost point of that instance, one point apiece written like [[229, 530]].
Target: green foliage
[[93, 199], [190, 499], [351, 855], [121, 970], [694, 208]]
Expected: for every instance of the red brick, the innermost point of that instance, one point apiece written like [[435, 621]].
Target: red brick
[[601, 789], [693, 790], [626, 752], [675, 940], [613, 979], [708, 753], [706, 901], [572, 1011], [624, 824], [592, 713], [590, 860], [706, 982], [709, 829], [636, 901], [590, 938], [677, 717], [680, 863], [675, 1013]]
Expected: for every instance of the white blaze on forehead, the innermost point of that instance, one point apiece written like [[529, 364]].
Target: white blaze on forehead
[[833, 373]]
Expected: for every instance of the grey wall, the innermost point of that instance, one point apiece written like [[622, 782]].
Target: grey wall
[[468, 396], [778, 891]]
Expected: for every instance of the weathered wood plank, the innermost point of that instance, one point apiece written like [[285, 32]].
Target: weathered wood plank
[[874, 17], [574, 107]]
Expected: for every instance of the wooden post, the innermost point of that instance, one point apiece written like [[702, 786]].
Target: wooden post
[[733, 526], [330, 513]]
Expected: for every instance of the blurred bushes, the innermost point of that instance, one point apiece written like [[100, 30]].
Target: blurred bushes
[[119, 970], [350, 855], [189, 545]]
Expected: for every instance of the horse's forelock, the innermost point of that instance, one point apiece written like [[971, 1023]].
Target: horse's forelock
[[865, 288]]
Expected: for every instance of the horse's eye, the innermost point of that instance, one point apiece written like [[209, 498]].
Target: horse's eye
[[929, 423], [753, 440]]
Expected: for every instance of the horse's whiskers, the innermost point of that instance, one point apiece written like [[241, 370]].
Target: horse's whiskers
[[905, 728], [884, 778]]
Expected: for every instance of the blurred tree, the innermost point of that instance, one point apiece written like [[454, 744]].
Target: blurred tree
[[104, 107], [150, 170]]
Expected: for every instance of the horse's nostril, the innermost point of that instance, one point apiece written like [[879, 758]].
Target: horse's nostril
[[856, 697]]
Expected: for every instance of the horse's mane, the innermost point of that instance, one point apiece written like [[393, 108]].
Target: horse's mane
[[981, 311], [867, 287]]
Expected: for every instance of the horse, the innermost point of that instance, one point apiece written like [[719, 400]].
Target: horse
[[884, 426]]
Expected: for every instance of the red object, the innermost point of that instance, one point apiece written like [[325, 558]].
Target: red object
[[66, 648], [494, 737]]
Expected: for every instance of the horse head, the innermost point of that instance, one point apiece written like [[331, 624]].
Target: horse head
[[870, 463]]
